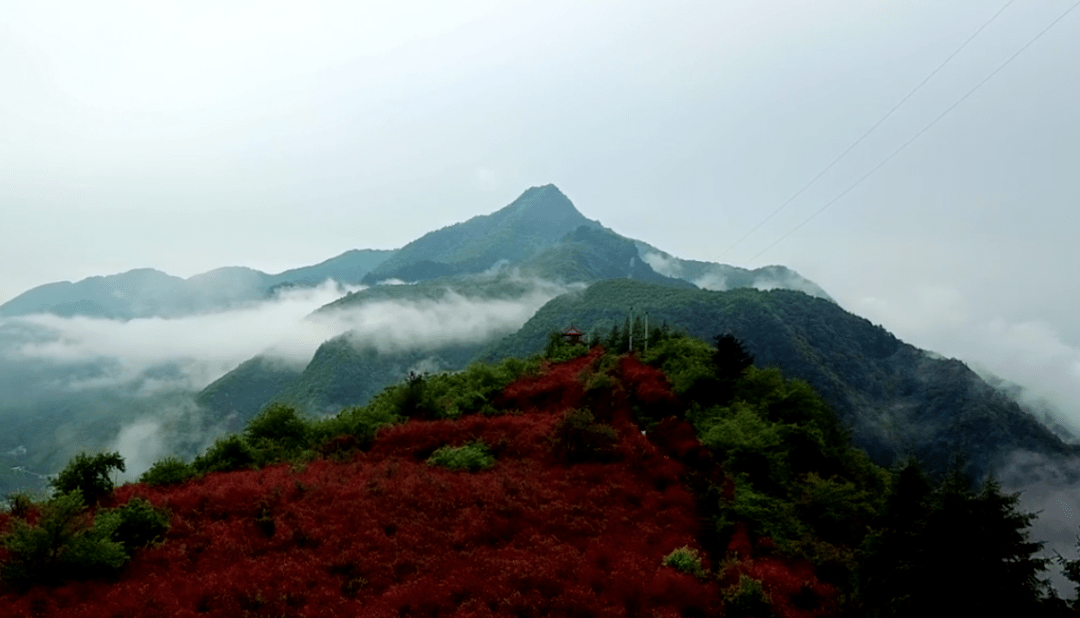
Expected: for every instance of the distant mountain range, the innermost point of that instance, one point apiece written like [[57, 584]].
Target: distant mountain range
[[541, 255], [145, 292]]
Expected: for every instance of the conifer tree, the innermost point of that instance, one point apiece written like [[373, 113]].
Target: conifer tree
[[952, 551]]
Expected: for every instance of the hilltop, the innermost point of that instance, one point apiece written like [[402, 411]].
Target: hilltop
[[579, 483]]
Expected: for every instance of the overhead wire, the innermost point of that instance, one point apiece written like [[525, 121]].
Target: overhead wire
[[871, 129], [921, 132]]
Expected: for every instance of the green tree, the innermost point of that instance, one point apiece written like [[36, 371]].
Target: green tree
[[90, 475], [167, 471], [136, 524], [953, 551], [228, 453], [473, 457], [895, 554], [65, 544], [731, 358], [613, 339], [412, 398], [731, 361], [577, 437], [277, 433], [1071, 570]]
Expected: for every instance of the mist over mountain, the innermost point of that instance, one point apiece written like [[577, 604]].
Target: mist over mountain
[[499, 267], [720, 277], [154, 365], [380, 334]]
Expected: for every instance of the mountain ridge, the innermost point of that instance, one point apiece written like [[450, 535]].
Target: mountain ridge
[[148, 292]]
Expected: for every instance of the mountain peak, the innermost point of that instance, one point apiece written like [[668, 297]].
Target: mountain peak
[[536, 220], [544, 208]]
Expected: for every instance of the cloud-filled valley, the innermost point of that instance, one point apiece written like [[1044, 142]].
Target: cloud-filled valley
[[149, 369]]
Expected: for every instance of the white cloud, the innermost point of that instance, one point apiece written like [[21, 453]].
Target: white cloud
[[1028, 353], [190, 352], [392, 326], [140, 444], [665, 265], [196, 350], [203, 347], [1048, 488]]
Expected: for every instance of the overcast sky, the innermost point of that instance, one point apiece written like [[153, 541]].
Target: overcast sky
[[191, 135]]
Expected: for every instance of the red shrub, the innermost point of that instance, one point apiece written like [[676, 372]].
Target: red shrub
[[384, 534]]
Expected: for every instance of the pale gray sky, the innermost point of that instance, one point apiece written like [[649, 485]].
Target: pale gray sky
[[190, 135]]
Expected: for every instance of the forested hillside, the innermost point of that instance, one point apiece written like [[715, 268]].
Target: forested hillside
[[678, 481], [897, 399]]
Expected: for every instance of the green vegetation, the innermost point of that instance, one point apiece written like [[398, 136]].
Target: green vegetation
[[935, 549], [167, 471], [796, 479], [747, 599], [134, 525], [685, 559], [19, 504], [277, 433], [889, 393], [890, 540], [89, 475], [280, 433], [473, 457], [67, 542], [578, 437], [64, 544], [225, 454]]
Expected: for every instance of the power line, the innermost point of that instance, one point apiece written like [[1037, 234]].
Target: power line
[[919, 134], [870, 130]]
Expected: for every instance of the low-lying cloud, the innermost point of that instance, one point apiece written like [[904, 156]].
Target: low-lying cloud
[[1048, 488], [396, 326], [672, 267], [1029, 354], [199, 348], [713, 277], [155, 366]]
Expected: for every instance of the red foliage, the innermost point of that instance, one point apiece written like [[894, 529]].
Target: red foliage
[[554, 390], [386, 535], [791, 584], [740, 542], [648, 385]]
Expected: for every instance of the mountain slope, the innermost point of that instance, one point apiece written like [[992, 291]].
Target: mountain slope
[[896, 398], [244, 391], [591, 254], [348, 268]]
